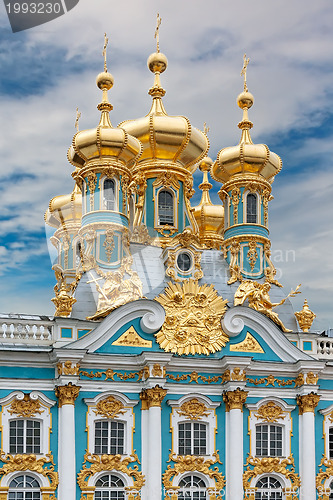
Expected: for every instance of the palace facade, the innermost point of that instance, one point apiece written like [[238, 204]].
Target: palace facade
[[175, 366]]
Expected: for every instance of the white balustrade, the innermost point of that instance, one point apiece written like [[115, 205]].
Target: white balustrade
[[26, 331]]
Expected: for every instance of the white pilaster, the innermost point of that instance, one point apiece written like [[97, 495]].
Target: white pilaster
[[234, 401], [66, 455], [307, 405]]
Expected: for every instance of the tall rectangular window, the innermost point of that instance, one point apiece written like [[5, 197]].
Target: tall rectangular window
[[330, 442], [24, 436], [109, 437], [269, 440], [192, 438]]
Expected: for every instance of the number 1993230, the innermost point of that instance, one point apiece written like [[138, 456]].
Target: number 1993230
[[34, 8]]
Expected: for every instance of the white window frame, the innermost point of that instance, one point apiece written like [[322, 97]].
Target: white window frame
[[113, 473], [116, 193], [269, 425], [127, 418], [244, 199], [210, 420], [284, 420], [175, 195], [201, 476], [44, 418], [109, 421], [327, 425]]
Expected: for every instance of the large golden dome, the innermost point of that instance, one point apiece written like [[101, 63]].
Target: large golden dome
[[166, 139], [104, 140], [246, 157]]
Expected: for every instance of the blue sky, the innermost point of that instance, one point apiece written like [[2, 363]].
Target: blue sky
[[46, 72]]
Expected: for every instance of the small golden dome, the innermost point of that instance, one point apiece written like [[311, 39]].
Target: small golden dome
[[246, 157], [65, 209], [209, 217], [104, 140], [166, 138]]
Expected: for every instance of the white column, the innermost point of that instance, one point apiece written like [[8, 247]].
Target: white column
[[66, 395], [234, 401], [153, 399], [144, 442], [307, 405]]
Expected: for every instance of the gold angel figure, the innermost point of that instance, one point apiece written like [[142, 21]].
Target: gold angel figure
[[258, 298]]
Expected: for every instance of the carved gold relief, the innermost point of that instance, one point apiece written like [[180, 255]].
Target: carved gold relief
[[258, 299], [193, 319], [268, 465], [238, 374], [311, 378], [25, 407], [110, 407], [15, 463], [270, 412], [140, 234], [131, 338], [325, 473], [63, 302], [67, 394], [92, 181], [252, 254], [193, 409], [166, 179], [249, 344], [195, 377], [191, 463], [157, 370], [234, 269], [307, 403], [112, 375], [99, 463], [305, 317], [235, 197], [109, 243], [234, 400], [67, 368]]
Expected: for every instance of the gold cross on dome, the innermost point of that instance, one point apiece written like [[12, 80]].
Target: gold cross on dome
[[106, 41], [78, 115], [243, 72], [157, 36]]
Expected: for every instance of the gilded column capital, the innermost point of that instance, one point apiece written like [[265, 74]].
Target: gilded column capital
[[234, 400], [152, 397], [307, 403], [67, 394]]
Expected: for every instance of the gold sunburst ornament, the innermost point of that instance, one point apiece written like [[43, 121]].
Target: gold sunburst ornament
[[193, 319]]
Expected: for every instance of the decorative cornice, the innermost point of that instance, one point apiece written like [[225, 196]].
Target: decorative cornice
[[234, 400], [308, 403], [67, 394]]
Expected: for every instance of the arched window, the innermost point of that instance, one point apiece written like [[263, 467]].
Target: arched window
[[251, 208], [109, 194], [192, 438], [192, 488], [110, 487], [268, 488], [269, 440], [165, 208], [24, 436], [24, 487], [331, 492], [109, 437]]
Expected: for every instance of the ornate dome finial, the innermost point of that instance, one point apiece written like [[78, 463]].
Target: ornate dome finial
[[305, 317], [157, 64], [104, 81], [245, 101]]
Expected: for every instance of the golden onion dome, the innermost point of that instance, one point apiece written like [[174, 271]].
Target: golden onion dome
[[65, 209], [166, 138], [246, 157], [209, 217], [104, 141]]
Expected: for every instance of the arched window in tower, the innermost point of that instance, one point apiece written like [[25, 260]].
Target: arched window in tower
[[251, 208], [24, 487], [109, 487], [268, 488], [165, 208], [192, 487], [109, 194]]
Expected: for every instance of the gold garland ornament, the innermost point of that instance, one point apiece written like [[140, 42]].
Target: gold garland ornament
[[193, 319], [30, 462]]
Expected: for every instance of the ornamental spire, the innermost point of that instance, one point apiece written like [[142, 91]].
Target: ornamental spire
[[157, 64], [157, 36], [245, 101], [104, 82]]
